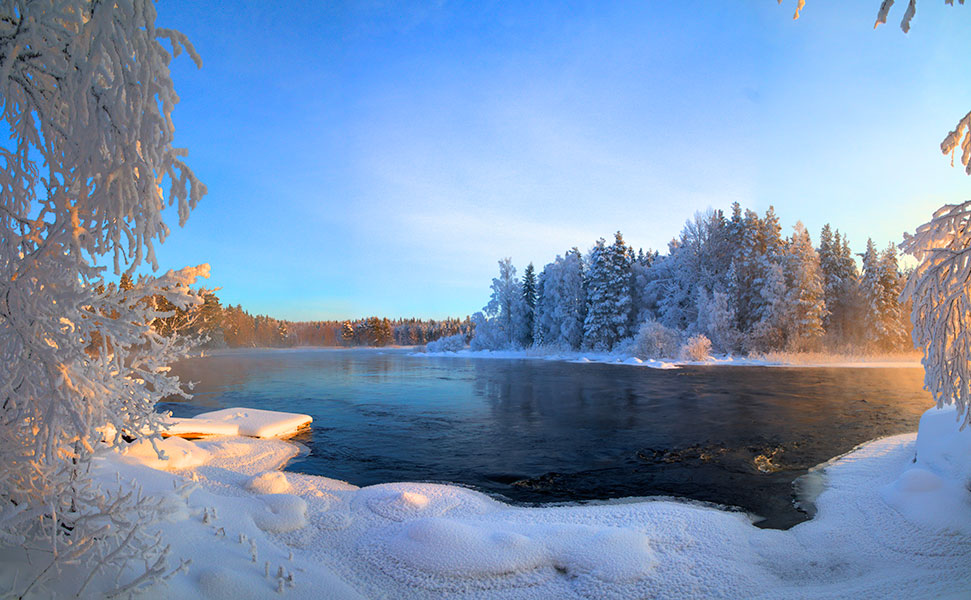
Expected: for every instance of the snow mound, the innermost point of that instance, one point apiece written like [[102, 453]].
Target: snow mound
[[449, 557], [940, 476], [282, 513], [614, 555], [941, 446], [272, 482], [252, 422], [449, 547], [177, 454], [198, 427], [402, 501]]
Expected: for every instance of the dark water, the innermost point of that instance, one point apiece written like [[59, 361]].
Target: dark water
[[536, 431]]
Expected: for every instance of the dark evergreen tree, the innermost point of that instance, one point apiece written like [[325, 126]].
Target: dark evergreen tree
[[529, 298]]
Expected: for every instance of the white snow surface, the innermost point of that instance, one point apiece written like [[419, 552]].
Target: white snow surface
[[199, 426], [252, 422], [620, 358], [887, 526]]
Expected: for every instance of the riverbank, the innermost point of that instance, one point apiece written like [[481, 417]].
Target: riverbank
[[773, 359], [887, 526]]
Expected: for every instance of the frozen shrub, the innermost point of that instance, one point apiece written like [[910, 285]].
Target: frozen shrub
[[654, 340], [698, 347], [452, 343]]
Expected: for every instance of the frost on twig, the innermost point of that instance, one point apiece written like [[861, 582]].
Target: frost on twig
[[940, 288], [87, 99], [960, 137]]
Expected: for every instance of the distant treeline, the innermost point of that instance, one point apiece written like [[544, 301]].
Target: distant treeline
[[233, 327]]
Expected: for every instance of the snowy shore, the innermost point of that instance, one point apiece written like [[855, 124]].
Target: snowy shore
[[617, 358], [887, 526]]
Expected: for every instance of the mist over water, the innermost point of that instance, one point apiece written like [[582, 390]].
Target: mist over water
[[534, 431]]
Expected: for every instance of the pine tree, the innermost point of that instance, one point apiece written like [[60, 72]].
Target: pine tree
[[745, 269], [894, 336], [608, 294], [595, 327], [829, 247], [805, 299], [761, 281], [880, 287], [529, 299]]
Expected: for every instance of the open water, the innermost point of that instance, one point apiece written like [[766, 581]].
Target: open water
[[535, 431]]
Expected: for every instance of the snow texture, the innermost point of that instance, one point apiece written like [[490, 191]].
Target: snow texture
[[198, 426], [623, 358], [252, 422], [887, 526]]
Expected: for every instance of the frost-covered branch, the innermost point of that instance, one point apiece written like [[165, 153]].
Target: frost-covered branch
[[87, 98], [940, 288]]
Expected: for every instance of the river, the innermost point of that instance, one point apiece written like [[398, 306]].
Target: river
[[536, 431]]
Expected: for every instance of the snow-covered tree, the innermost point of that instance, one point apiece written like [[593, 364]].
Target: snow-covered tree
[[769, 331], [760, 285], [940, 288], [561, 304], [840, 284], [608, 294], [805, 299], [654, 340], [529, 299], [880, 291], [87, 99], [892, 284], [502, 322], [716, 320], [698, 261], [641, 274]]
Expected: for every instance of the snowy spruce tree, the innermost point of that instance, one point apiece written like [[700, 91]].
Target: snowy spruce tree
[[805, 299], [608, 294], [87, 99], [840, 283], [892, 285], [880, 290], [761, 284], [746, 270]]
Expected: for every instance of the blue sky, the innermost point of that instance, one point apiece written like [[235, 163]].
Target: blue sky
[[378, 158]]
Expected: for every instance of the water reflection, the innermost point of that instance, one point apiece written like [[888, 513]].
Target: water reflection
[[536, 431]]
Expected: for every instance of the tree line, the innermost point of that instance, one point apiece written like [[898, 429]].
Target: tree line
[[234, 327], [733, 279]]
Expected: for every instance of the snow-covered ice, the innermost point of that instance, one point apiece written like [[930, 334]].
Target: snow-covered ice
[[198, 427], [893, 521], [252, 422]]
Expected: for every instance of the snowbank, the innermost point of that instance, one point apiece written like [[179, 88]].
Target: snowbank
[[198, 427], [887, 526], [619, 358], [252, 422]]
